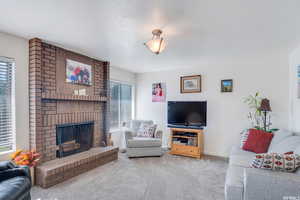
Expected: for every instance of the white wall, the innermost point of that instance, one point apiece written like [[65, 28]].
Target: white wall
[[226, 111], [122, 75], [294, 101], [17, 48]]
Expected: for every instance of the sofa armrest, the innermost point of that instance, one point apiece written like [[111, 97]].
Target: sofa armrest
[[15, 172], [25, 170], [128, 136], [5, 165], [158, 134], [270, 185]]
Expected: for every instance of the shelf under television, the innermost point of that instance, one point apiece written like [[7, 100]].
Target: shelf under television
[[182, 136], [187, 150], [183, 145]]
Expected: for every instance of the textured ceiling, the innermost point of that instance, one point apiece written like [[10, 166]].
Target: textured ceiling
[[196, 31]]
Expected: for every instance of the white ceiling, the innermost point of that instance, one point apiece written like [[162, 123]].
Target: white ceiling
[[196, 31]]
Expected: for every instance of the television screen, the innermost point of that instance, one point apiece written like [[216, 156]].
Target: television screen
[[187, 113]]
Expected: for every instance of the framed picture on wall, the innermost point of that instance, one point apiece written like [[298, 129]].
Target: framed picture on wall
[[190, 84], [78, 73], [158, 92], [227, 85]]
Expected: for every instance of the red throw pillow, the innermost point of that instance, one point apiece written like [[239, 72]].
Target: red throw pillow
[[258, 141]]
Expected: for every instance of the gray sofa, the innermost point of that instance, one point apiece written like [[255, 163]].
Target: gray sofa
[[245, 183], [142, 146]]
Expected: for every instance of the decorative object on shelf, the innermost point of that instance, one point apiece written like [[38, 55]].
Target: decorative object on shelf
[[298, 80], [227, 85], [82, 92], [190, 84], [76, 92], [78, 73], [259, 115], [157, 44], [27, 158], [158, 92]]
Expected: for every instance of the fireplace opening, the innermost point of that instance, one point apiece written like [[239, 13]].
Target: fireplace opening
[[73, 138]]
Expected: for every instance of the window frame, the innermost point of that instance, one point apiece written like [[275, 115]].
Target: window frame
[[132, 102], [13, 104]]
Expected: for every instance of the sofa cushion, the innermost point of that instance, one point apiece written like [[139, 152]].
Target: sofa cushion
[[14, 188], [141, 142], [234, 187], [244, 137], [275, 161], [297, 150], [288, 144], [239, 157], [279, 136], [258, 141]]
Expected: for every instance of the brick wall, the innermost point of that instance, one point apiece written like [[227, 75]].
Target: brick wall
[[52, 101]]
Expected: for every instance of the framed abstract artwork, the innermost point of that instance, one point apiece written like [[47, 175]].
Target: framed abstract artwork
[[227, 85], [158, 92], [190, 84], [78, 73]]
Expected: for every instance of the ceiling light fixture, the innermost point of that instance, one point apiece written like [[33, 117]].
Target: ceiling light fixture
[[156, 44]]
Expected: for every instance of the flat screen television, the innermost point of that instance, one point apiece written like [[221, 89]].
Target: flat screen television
[[187, 114]]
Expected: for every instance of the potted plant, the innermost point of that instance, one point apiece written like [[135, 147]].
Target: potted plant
[[260, 114], [27, 158]]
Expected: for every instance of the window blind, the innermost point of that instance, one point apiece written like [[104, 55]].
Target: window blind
[[6, 104], [120, 104]]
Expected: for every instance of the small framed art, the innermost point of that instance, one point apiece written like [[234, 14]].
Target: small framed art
[[227, 85]]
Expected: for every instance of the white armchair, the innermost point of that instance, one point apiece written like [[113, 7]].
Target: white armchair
[[142, 146]]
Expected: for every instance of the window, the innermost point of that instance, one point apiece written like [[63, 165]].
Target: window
[[120, 104], [7, 141]]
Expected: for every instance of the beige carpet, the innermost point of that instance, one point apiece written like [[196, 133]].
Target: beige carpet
[[158, 178]]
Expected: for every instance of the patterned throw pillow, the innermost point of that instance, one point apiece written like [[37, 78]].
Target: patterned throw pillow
[[275, 161], [146, 130], [244, 137]]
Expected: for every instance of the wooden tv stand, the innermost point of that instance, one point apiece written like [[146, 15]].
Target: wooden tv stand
[[193, 148]]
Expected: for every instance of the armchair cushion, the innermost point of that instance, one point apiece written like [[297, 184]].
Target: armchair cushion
[[147, 130], [15, 188], [142, 142], [136, 124], [15, 182], [158, 134], [11, 173]]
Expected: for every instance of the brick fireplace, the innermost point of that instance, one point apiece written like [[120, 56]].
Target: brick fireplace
[[54, 103]]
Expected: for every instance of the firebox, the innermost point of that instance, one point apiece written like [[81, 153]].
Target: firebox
[[74, 138]]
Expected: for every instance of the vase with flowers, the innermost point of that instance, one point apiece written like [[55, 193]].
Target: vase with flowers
[[27, 158]]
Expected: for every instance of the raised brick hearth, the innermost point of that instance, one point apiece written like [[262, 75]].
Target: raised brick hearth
[[52, 99], [59, 170]]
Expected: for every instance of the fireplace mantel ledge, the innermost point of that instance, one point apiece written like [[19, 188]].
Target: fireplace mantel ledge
[[70, 97]]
